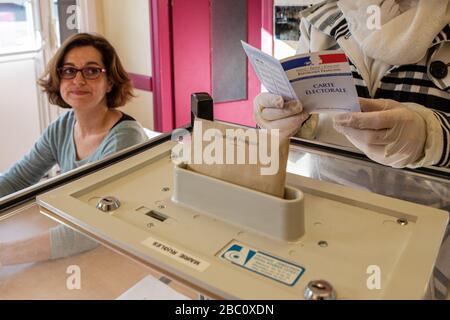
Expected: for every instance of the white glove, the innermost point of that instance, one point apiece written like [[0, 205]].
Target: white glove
[[386, 131], [271, 112]]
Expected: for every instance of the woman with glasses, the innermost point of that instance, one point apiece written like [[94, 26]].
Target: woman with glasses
[[87, 77]]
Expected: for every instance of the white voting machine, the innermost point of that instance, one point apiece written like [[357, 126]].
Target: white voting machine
[[322, 241]]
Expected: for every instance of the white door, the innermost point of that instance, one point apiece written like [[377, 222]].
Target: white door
[[26, 39]]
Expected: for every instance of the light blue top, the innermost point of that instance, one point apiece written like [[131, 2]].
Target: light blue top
[[56, 146]]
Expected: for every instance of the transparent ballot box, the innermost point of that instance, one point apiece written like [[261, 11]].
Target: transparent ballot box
[[347, 228]]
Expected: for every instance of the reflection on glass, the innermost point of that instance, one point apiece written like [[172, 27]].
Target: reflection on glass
[[287, 22], [80, 276], [371, 177]]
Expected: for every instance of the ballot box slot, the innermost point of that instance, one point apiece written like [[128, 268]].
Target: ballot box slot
[[157, 215]]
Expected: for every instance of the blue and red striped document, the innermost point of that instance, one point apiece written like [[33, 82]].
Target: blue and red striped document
[[322, 81]]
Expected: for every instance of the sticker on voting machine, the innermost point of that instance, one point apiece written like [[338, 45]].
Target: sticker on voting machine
[[262, 263], [322, 81]]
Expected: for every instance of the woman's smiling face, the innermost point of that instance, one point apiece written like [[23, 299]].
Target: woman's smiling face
[[79, 92]]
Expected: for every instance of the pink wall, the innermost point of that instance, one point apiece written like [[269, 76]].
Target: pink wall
[[141, 82], [162, 65], [191, 47]]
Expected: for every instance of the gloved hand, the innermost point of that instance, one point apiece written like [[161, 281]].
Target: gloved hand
[[271, 112], [386, 131]]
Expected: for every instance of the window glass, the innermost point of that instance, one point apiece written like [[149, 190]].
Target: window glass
[[17, 27], [286, 30]]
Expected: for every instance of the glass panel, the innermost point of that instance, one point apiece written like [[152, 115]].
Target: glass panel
[[97, 273], [17, 27], [369, 176], [287, 30], [229, 63], [99, 266]]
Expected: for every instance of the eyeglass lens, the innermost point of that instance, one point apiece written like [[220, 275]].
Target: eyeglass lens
[[87, 72]]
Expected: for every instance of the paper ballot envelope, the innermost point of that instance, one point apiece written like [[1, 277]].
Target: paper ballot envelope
[[322, 81]]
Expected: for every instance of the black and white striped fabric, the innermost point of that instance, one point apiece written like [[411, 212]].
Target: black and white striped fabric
[[405, 83]]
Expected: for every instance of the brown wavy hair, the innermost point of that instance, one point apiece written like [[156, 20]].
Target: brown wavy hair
[[122, 89]]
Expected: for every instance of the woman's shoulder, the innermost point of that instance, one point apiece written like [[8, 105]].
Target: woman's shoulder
[[123, 135], [127, 132], [64, 119], [61, 126]]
